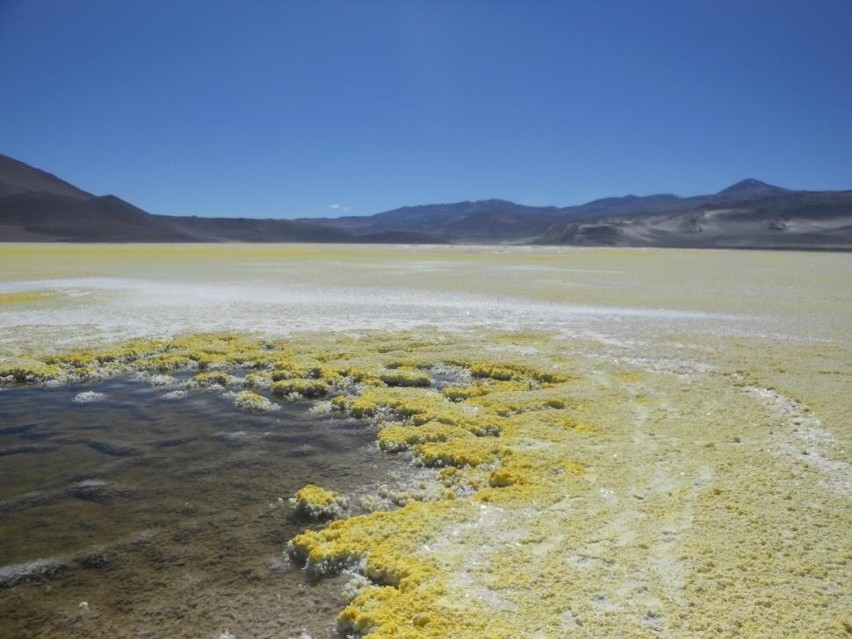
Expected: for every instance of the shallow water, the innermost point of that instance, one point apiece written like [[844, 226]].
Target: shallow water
[[163, 516]]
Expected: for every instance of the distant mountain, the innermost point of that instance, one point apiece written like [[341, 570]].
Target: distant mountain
[[17, 178], [44, 217], [445, 222], [775, 218], [36, 206], [750, 187]]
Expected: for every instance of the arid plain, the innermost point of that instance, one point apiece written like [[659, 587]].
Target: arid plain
[[604, 442]]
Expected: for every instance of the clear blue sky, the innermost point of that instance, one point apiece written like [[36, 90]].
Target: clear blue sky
[[270, 108]]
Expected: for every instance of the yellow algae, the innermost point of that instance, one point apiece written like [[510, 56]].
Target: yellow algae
[[28, 297], [545, 425], [482, 387], [259, 379], [166, 362], [503, 477], [211, 379], [514, 402], [510, 370], [23, 370], [405, 600], [304, 387], [253, 403], [395, 437], [315, 502], [405, 377], [402, 400], [472, 451]]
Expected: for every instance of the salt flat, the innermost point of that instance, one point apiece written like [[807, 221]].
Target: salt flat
[[713, 484], [119, 291]]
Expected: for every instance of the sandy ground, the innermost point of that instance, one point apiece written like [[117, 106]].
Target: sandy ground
[[715, 496]]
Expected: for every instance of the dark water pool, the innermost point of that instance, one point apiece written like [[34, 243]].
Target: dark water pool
[[167, 518]]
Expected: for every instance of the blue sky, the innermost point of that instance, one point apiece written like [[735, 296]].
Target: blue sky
[[271, 108]]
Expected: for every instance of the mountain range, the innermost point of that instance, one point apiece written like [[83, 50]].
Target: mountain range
[[36, 206]]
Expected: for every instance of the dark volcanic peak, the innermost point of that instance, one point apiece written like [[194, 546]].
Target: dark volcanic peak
[[17, 178], [750, 186]]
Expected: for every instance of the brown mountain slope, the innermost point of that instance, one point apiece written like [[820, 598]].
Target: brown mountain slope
[[43, 217]]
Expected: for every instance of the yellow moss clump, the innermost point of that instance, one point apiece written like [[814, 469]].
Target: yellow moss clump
[[405, 377], [395, 438], [253, 403], [167, 362], [28, 371], [409, 595], [495, 370], [259, 379], [503, 477], [506, 403], [210, 353], [482, 387], [309, 388], [211, 379], [315, 502], [404, 401], [508, 371], [473, 451]]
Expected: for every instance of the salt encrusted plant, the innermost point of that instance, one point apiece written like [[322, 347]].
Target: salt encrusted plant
[[357, 581], [315, 502], [165, 362], [160, 380], [215, 381], [253, 403], [405, 376], [309, 388], [25, 371], [444, 374], [259, 379], [88, 397], [321, 408]]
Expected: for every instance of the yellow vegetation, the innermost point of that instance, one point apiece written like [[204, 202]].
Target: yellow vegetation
[[484, 547], [477, 434], [315, 502], [304, 387], [27, 297]]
